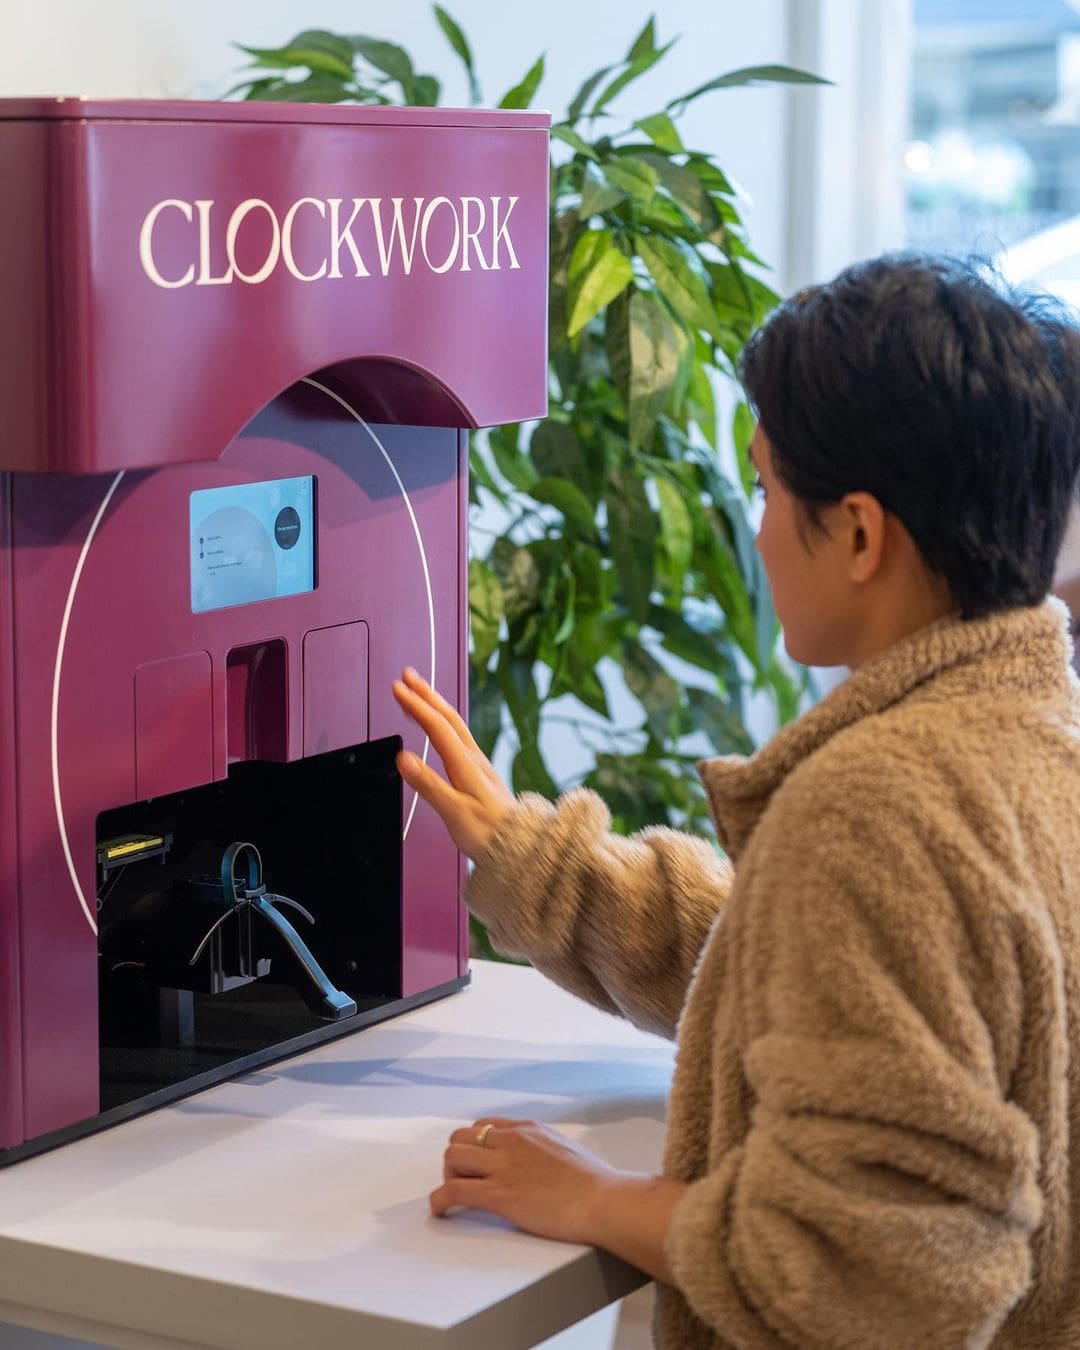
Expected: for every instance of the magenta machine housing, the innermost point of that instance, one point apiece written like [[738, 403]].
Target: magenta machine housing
[[242, 346]]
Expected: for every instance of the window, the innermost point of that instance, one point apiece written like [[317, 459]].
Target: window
[[993, 163]]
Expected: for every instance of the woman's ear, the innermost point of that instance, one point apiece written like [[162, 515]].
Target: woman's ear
[[865, 527]]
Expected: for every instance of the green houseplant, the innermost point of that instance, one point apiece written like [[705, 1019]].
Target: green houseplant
[[622, 540]]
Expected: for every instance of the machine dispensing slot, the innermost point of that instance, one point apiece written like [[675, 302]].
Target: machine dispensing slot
[[256, 705], [201, 961]]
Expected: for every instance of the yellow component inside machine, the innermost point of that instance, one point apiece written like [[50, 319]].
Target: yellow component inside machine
[[130, 844]]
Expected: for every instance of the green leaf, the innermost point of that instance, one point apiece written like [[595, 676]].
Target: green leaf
[[512, 464], [584, 652], [686, 189], [733, 507], [640, 64], [641, 790], [253, 89], [568, 499], [529, 773], [617, 346], [736, 247], [654, 689], [735, 79], [681, 286], [485, 707], [661, 129], [742, 432], [458, 41], [710, 175], [481, 943], [766, 625], [561, 132], [566, 627], [764, 299], [699, 642], [485, 609], [732, 298], [316, 49], [517, 570], [595, 586], [702, 399], [558, 453], [597, 197], [683, 375], [581, 97], [740, 298], [322, 40], [719, 722], [645, 41], [423, 91], [632, 530], [598, 272], [478, 472], [728, 585], [789, 690], [316, 88], [633, 177], [656, 347], [565, 232], [663, 216], [521, 94], [385, 56], [676, 527], [757, 636]]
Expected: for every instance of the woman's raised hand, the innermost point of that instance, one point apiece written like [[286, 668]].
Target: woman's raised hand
[[475, 801]]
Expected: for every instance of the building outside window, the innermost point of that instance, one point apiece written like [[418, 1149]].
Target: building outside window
[[993, 163]]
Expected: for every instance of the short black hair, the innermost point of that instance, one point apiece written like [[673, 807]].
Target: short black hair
[[950, 397]]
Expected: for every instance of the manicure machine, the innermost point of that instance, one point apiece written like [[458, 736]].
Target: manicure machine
[[243, 345]]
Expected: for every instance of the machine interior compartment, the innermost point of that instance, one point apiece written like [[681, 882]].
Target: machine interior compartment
[[328, 829]]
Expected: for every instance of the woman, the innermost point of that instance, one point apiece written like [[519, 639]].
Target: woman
[[874, 1128]]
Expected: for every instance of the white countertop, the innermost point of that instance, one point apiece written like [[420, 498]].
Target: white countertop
[[288, 1208]]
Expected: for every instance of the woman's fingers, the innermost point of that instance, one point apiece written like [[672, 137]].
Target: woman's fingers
[[416, 682], [466, 1192], [458, 810], [459, 762], [449, 734], [467, 1134], [432, 786], [475, 801], [466, 1160]]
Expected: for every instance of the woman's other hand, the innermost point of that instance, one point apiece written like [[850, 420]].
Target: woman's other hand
[[475, 801], [528, 1173], [549, 1185]]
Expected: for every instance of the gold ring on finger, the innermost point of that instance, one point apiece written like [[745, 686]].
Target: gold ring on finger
[[482, 1134]]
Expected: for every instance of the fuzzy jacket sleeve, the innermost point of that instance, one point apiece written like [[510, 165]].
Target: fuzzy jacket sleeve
[[617, 921], [886, 1192]]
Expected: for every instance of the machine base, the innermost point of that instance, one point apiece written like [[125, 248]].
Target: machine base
[[188, 1087]]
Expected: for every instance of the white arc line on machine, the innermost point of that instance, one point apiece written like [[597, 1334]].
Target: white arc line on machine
[[70, 602], [420, 547], [54, 718]]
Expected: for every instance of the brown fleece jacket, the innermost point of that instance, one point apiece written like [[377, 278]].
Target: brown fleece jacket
[[877, 1093]]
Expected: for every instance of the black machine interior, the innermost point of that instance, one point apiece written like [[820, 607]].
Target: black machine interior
[[244, 914]]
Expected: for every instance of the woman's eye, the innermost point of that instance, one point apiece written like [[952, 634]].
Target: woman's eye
[[758, 485]]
